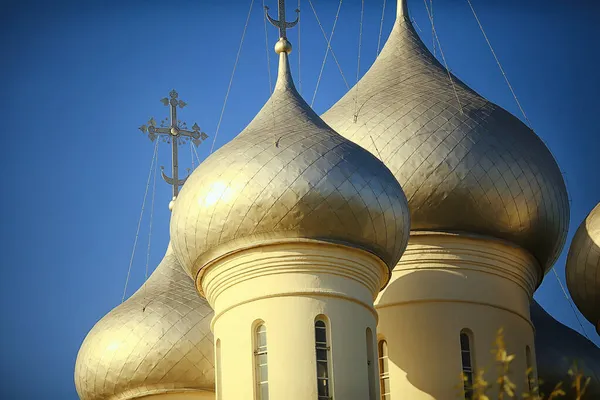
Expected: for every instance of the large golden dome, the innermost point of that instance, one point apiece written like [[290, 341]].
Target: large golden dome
[[583, 268], [479, 171], [157, 341], [288, 176]]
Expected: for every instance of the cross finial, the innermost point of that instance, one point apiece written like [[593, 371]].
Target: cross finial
[[174, 132], [282, 24]]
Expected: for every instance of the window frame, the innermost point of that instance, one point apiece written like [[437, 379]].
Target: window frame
[[468, 372], [383, 360], [259, 327], [531, 380], [323, 347]]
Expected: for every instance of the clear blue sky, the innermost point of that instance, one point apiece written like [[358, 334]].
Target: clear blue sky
[[79, 77]]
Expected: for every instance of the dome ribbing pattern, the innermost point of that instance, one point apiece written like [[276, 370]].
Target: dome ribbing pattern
[[465, 165], [157, 341], [288, 176]]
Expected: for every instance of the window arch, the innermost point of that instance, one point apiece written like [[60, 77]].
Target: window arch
[[370, 364], [260, 362], [384, 371], [324, 387], [466, 351]]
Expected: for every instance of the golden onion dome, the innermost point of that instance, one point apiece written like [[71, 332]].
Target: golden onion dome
[[583, 268], [158, 341], [557, 347], [288, 176], [464, 163]]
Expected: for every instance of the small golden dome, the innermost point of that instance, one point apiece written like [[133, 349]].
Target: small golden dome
[[288, 176], [464, 163], [157, 341], [583, 268]]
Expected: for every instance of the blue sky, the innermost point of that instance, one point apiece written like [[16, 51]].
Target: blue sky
[[79, 78]]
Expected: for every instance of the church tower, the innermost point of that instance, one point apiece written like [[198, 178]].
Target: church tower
[[290, 231], [489, 215]]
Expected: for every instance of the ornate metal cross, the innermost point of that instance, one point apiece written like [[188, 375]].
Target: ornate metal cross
[[175, 133], [281, 23]]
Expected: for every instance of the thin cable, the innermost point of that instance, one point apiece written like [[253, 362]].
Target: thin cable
[[574, 311], [137, 233], [192, 155], [237, 58], [381, 28], [443, 57], [570, 303], [299, 53], [432, 32], [197, 157], [499, 65], [150, 229], [374, 145], [328, 49], [267, 50], [360, 34]]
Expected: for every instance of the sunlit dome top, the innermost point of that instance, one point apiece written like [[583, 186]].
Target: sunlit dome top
[[157, 341], [464, 163], [583, 268], [288, 176]]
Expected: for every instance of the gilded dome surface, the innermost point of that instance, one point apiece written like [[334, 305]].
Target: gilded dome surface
[[288, 176], [557, 347], [464, 163], [167, 346], [583, 268]]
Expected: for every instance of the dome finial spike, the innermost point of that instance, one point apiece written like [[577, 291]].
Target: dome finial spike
[[402, 9]]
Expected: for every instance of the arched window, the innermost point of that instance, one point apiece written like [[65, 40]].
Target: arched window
[[324, 389], [384, 371], [467, 362], [530, 375], [370, 364], [218, 367], [260, 361]]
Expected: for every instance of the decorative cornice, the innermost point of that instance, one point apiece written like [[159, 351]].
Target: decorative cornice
[[475, 252], [308, 258]]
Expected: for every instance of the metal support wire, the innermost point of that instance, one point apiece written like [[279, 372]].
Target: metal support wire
[[150, 228], [381, 28], [430, 15], [360, 35], [499, 65], [328, 40], [570, 303], [137, 233], [196, 153], [237, 59], [299, 51]]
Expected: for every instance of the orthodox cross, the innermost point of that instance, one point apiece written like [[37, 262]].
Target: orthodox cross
[[176, 133], [281, 23]]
